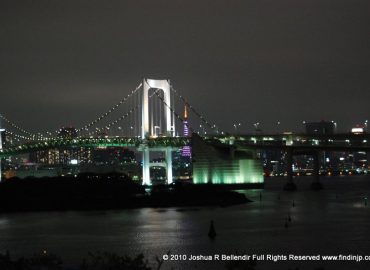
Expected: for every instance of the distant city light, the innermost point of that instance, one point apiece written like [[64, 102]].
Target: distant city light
[[74, 161], [357, 130]]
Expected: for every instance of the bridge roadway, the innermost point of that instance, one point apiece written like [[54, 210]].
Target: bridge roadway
[[304, 145], [295, 143], [292, 144], [335, 142], [60, 143]]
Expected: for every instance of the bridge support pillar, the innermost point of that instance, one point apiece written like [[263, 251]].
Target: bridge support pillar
[[290, 186], [146, 167], [169, 165], [316, 185]]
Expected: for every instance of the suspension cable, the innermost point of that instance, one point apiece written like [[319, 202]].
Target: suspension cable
[[108, 126], [17, 136], [212, 126], [16, 126], [175, 113], [112, 109]]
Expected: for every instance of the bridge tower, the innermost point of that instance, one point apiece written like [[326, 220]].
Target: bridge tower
[[146, 132], [163, 85]]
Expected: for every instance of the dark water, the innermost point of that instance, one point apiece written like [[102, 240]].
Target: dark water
[[328, 222]]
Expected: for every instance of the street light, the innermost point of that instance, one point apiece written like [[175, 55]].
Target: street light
[[256, 125], [236, 125], [304, 125], [335, 125], [278, 125]]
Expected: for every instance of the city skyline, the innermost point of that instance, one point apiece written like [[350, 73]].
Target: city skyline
[[306, 62]]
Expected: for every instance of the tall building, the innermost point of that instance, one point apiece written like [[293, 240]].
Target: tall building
[[186, 150], [63, 156], [66, 155]]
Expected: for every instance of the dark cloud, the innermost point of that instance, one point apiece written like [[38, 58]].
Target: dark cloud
[[64, 62]]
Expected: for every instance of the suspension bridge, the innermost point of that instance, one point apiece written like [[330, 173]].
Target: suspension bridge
[[148, 119], [149, 123]]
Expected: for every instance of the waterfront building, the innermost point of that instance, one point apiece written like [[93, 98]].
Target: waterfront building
[[224, 164]]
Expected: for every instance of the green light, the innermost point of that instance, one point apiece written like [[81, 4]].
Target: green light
[[242, 171]]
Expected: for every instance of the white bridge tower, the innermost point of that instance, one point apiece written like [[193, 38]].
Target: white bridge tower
[[146, 132]]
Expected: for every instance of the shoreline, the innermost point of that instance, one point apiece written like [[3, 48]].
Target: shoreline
[[57, 194]]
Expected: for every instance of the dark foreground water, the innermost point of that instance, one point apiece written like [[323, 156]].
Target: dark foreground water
[[329, 222]]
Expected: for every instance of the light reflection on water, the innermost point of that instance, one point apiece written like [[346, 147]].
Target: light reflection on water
[[332, 221]]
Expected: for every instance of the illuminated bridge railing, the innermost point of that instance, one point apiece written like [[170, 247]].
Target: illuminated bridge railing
[[339, 141], [334, 140], [94, 142]]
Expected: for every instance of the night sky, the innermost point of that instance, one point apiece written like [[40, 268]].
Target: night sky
[[64, 62]]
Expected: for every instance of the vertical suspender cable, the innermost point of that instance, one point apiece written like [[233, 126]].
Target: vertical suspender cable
[[173, 122], [160, 117], [135, 115], [151, 115]]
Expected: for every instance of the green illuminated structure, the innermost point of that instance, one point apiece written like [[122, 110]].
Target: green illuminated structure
[[218, 163]]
